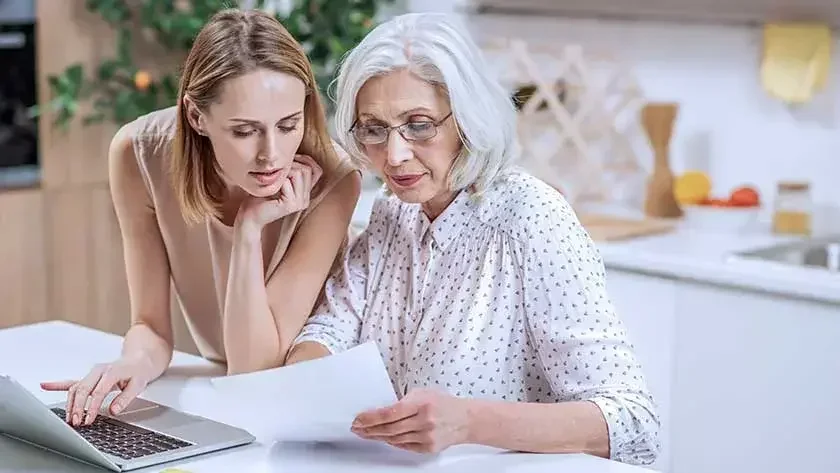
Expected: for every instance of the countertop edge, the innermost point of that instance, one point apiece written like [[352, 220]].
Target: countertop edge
[[798, 283]]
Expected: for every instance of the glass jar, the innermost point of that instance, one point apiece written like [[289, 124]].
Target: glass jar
[[793, 208]]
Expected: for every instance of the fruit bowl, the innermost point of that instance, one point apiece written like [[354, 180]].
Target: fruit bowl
[[720, 217], [736, 211]]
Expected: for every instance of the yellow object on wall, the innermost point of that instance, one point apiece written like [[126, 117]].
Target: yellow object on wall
[[796, 60]]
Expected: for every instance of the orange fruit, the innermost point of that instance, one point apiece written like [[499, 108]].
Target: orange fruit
[[692, 187], [142, 80], [745, 196]]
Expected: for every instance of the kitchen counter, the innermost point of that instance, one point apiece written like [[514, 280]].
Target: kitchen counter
[[703, 257], [710, 258]]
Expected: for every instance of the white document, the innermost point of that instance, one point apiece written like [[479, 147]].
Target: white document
[[315, 400]]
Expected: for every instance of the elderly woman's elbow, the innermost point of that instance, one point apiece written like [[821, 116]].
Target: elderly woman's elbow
[[645, 447], [643, 452]]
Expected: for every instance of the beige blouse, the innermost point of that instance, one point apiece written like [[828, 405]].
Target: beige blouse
[[199, 255]]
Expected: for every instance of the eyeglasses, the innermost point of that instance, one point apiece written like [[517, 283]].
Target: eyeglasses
[[411, 131]]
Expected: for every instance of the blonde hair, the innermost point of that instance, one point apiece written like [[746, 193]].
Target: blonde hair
[[234, 43]]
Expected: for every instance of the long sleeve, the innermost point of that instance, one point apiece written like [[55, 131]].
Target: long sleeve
[[337, 319], [579, 339]]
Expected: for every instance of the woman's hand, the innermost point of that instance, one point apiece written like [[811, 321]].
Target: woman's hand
[[293, 196], [85, 397], [424, 421]]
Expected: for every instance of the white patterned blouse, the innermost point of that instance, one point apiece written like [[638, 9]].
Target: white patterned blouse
[[500, 298]]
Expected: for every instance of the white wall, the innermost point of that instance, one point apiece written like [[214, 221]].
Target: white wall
[[713, 72]]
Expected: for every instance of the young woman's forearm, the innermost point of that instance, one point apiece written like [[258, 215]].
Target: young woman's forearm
[[250, 334], [144, 343], [539, 428]]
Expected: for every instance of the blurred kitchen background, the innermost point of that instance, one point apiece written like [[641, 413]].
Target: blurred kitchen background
[[698, 140]]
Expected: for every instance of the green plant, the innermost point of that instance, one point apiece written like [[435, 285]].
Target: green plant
[[120, 91]]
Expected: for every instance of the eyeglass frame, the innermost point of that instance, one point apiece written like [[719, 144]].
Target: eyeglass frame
[[399, 128]]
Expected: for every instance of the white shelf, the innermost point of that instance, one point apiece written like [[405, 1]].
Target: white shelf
[[737, 12]]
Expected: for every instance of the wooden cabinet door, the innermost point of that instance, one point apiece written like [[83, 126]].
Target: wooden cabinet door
[[87, 277], [87, 281], [23, 266]]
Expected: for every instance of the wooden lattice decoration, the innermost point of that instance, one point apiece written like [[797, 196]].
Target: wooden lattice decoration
[[578, 120]]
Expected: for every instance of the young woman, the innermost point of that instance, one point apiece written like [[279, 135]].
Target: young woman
[[236, 197]]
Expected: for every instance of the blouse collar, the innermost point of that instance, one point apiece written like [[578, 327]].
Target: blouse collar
[[449, 224]]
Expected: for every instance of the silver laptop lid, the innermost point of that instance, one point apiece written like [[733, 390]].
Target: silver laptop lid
[[25, 417]]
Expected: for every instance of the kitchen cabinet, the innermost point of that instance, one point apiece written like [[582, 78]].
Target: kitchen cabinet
[[757, 383], [745, 381], [87, 277], [60, 245], [87, 282], [710, 11], [647, 306], [23, 265], [61, 258]]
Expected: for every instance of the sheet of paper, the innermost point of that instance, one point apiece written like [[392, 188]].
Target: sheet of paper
[[315, 400]]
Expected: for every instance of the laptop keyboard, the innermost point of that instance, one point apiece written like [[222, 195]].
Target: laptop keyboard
[[124, 440]]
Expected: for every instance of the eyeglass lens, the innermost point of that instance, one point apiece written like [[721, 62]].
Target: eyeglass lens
[[412, 131]]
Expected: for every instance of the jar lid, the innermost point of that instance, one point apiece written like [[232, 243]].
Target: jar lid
[[793, 186]]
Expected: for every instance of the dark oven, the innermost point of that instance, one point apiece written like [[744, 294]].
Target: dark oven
[[18, 92]]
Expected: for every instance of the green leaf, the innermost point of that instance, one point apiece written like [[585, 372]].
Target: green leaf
[[326, 28], [124, 47], [33, 112], [336, 47], [113, 11], [107, 70], [169, 88], [75, 75], [357, 17], [57, 104], [70, 105], [55, 84]]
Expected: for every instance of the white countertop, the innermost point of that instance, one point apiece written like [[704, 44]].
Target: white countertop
[[59, 350], [701, 256], [708, 258]]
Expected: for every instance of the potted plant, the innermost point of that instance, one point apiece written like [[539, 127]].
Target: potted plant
[[119, 90]]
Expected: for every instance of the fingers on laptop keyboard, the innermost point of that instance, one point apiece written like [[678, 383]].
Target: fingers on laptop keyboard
[[131, 390], [77, 399], [97, 397]]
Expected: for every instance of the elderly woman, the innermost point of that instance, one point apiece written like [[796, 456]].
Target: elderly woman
[[483, 292]]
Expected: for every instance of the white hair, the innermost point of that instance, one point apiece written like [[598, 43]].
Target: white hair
[[439, 51]]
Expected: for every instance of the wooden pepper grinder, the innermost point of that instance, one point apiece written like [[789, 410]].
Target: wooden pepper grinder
[[658, 120]]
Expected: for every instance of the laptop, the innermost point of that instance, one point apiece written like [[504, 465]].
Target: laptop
[[144, 434]]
